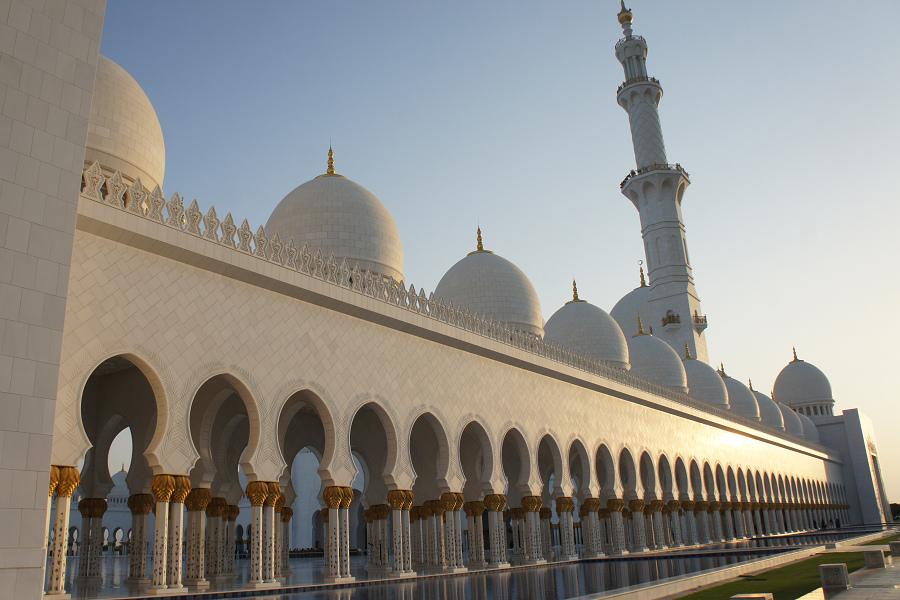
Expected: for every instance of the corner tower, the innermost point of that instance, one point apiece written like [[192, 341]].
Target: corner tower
[[656, 188]]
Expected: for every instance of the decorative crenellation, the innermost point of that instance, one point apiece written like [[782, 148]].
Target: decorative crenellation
[[112, 191]]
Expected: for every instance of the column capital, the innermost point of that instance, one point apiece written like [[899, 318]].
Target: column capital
[[495, 502], [674, 504], [636, 505], [565, 504], [92, 508], [545, 513], [231, 512], [69, 478], [656, 505], [54, 480], [517, 513], [532, 503], [397, 499], [257, 492], [332, 495], [591, 504], [182, 489], [198, 499], [615, 504], [346, 497], [140, 504], [448, 501], [163, 486], [273, 490], [216, 507], [701, 506], [408, 499], [286, 513], [435, 508]]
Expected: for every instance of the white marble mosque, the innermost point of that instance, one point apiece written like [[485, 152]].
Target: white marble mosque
[[285, 387]]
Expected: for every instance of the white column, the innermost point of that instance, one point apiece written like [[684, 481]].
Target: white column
[[176, 523], [163, 487], [407, 534], [257, 492], [195, 567], [68, 479], [140, 505], [346, 502]]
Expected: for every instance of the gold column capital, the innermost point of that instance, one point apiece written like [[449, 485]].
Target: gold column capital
[[397, 499], [615, 504], [182, 489], [636, 505], [332, 495], [257, 492], [54, 480], [163, 486], [140, 504], [198, 499], [346, 497], [532, 503], [69, 478]]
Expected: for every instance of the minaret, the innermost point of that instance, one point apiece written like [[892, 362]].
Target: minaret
[[656, 188]]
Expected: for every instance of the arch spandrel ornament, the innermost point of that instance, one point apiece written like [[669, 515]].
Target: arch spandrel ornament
[[70, 439]]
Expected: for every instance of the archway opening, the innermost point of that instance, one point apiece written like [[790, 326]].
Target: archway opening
[[477, 460], [429, 454], [516, 466]]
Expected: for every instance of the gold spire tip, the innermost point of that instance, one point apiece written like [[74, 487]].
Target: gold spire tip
[[641, 271], [624, 14], [794, 350], [330, 169], [574, 291], [722, 369], [687, 351], [640, 326], [479, 243], [750, 381]]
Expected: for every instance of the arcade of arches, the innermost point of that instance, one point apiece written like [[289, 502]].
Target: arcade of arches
[[550, 503]]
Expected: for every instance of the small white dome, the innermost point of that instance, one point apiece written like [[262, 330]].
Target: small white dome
[[491, 286], [340, 218], [742, 400], [705, 384], [654, 360], [634, 304], [792, 423], [124, 133], [801, 383], [810, 431], [769, 412], [588, 330]]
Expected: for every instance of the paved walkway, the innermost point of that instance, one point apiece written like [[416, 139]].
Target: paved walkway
[[867, 584]]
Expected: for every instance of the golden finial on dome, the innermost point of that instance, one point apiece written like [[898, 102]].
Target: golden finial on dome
[[624, 14], [640, 326], [641, 271], [794, 350], [750, 381], [575, 292], [687, 351], [330, 169], [479, 243], [722, 369]]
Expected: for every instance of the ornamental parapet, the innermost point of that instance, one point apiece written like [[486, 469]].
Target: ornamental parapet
[[114, 193]]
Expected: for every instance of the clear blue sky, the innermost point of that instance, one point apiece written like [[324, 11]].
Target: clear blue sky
[[504, 113]]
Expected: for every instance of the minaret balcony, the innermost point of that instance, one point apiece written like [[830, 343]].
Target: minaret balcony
[[700, 322], [635, 80], [630, 38], [654, 167], [671, 321]]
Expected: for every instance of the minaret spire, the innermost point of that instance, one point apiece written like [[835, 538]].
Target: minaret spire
[[330, 169], [656, 189], [575, 292]]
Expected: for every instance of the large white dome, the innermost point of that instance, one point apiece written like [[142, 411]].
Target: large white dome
[[493, 287], [769, 412], [341, 218], [632, 305], [801, 383], [588, 330], [705, 384], [792, 423], [654, 360], [742, 400], [124, 133]]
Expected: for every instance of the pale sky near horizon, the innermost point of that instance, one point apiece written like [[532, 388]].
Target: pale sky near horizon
[[503, 113]]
